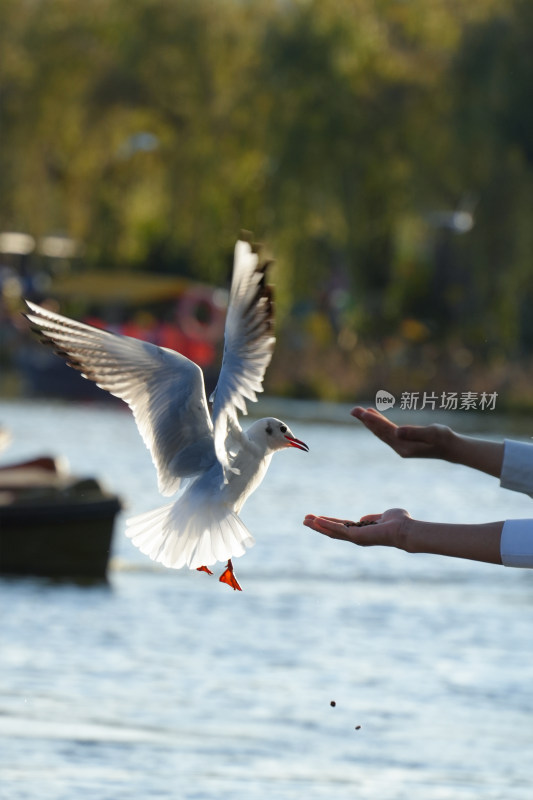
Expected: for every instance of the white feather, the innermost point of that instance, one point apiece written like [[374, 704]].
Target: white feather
[[215, 464], [184, 534]]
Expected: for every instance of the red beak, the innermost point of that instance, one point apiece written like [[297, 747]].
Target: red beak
[[296, 443]]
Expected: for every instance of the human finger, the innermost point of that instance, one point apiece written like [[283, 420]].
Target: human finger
[[335, 530], [359, 412], [378, 424], [370, 517], [332, 519], [430, 441], [359, 533], [415, 433]]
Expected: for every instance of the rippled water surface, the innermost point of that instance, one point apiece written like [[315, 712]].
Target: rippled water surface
[[167, 684]]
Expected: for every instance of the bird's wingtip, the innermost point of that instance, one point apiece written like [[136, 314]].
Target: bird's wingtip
[[248, 237], [245, 236]]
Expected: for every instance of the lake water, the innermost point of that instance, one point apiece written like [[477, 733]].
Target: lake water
[[167, 684]]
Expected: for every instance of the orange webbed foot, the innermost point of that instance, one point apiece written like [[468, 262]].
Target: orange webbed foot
[[204, 569], [229, 577]]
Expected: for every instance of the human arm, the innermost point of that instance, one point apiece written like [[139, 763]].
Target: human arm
[[396, 528], [434, 441], [509, 543]]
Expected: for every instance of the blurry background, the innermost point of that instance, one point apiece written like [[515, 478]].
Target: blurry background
[[383, 150]]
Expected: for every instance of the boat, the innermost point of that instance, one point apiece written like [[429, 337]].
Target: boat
[[169, 311], [53, 524]]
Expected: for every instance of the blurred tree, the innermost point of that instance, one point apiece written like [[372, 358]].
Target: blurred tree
[[493, 121], [348, 133]]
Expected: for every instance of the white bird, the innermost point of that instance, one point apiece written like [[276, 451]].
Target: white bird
[[213, 461]]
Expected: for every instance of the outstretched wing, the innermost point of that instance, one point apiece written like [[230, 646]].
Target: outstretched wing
[[164, 390], [248, 346]]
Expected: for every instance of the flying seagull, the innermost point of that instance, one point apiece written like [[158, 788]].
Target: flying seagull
[[214, 463]]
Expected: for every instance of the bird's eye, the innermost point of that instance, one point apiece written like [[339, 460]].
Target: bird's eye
[[283, 428]]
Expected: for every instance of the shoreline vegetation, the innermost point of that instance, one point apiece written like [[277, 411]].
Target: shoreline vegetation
[[424, 378], [383, 152]]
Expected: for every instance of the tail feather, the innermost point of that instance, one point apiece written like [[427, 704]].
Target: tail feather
[[177, 535]]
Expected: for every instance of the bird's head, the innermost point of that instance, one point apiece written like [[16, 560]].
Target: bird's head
[[274, 435]]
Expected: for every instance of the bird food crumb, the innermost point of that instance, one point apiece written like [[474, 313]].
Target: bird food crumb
[[360, 524], [357, 727], [333, 704]]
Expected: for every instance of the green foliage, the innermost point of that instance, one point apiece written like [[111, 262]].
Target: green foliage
[[153, 130]]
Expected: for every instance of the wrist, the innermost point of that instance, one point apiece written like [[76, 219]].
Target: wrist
[[481, 454], [452, 446], [419, 536], [405, 536], [416, 536]]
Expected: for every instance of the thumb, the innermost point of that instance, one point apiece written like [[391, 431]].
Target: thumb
[[413, 433]]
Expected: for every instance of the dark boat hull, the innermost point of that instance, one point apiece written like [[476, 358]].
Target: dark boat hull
[[58, 540]]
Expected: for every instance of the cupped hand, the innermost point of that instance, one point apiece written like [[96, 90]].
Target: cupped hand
[[388, 529], [409, 441]]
